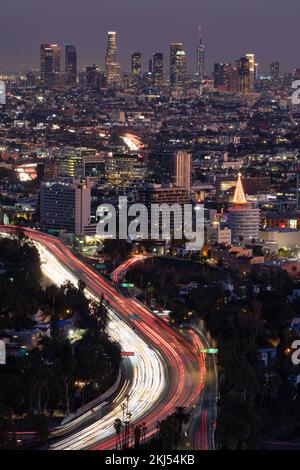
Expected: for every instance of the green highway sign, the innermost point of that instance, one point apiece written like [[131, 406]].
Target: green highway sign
[[209, 351], [134, 316], [101, 266], [126, 284]]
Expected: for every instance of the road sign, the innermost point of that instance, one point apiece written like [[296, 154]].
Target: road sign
[[209, 351], [127, 284], [101, 266]]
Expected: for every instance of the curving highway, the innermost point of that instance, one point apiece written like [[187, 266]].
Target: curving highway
[[166, 370]]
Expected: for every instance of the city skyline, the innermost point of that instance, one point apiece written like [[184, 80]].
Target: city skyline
[[88, 24]]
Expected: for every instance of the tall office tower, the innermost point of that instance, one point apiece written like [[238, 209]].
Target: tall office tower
[[182, 169], [150, 66], [233, 79], [296, 75], [174, 48], [136, 67], [65, 204], [256, 65], [111, 51], [243, 218], [243, 67], [158, 69], [71, 65], [113, 70], [49, 62], [200, 58], [179, 69], [251, 59], [274, 74], [93, 77], [265, 83], [222, 76]]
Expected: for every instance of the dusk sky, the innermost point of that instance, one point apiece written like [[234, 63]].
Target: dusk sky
[[269, 28]]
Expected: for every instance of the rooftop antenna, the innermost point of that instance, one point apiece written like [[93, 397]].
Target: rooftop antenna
[[200, 34]]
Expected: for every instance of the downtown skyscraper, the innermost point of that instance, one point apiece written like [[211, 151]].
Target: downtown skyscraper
[[136, 67], [251, 59], [111, 64], [174, 48], [49, 63], [200, 58], [158, 69], [71, 65]]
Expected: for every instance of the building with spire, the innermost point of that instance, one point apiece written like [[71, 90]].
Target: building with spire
[[243, 217], [200, 58]]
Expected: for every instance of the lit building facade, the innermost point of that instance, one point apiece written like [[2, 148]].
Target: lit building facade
[[243, 67], [113, 70], [174, 48], [136, 67], [71, 65], [158, 69], [274, 74], [242, 217], [65, 205], [251, 59], [70, 160], [182, 169], [49, 63]]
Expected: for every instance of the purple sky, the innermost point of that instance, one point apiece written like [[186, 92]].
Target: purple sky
[[270, 28]]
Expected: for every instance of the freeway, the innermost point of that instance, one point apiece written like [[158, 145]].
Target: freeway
[[165, 371], [201, 427], [118, 274]]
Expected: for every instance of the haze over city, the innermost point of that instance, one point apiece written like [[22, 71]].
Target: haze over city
[[230, 28]]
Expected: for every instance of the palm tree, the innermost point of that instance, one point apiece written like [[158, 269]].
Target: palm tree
[[144, 430], [118, 428], [181, 416]]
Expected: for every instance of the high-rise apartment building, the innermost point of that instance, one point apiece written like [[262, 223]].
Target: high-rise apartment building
[[182, 169], [65, 204]]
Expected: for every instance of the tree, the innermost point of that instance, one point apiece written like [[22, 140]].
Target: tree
[[118, 428], [116, 250], [181, 416]]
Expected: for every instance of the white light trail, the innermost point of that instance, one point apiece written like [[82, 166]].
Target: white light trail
[[148, 383]]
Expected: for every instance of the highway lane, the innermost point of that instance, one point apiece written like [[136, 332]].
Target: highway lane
[[118, 274], [201, 427], [167, 371]]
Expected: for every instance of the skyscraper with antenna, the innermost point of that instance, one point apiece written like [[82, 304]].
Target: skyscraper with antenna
[[200, 58]]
